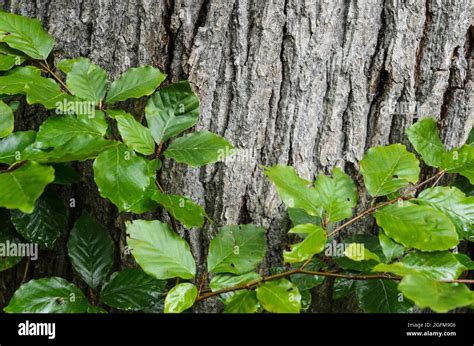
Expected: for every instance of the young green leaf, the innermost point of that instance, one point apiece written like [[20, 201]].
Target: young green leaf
[[387, 169], [337, 195], [25, 34], [417, 226], [7, 62], [180, 298], [221, 281], [294, 191], [46, 223], [426, 141], [11, 147], [438, 296], [91, 250], [6, 120], [132, 290], [440, 265], [121, 176], [199, 148], [160, 252], [312, 244], [172, 110], [182, 209], [353, 252], [21, 187], [135, 83], [299, 216], [49, 295], [280, 296], [453, 203], [242, 302], [65, 65], [134, 134], [381, 296], [87, 81], [236, 249]]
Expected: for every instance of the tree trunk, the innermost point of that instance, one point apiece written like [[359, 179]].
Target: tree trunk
[[306, 83]]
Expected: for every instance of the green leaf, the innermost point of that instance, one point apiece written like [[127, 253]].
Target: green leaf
[[180, 298], [8, 61], [387, 169], [79, 148], [417, 226], [46, 223], [121, 176], [160, 252], [172, 110], [87, 81], [6, 120], [337, 195], [65, 65], [135, 83], [438, 296], [337, 250], [61, 129], [342, 288], [133, 290], [11, 147], [465, 261], [7, 236], [221, 281], [426, 141], [304, 281], [280, 296], [358, 252], [134, 134], [293, 190], [453, 203], [434, 265], [198, 148], [91, 250], [236, 249], [22, 186], [92, 309], [424, 137], [49, 295], [299, 217], [182, 209], [25, 34], [242, 302], [391, 249], [312, 244], [381, 296]]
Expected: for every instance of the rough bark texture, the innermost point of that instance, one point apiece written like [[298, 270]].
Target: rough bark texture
[[302, 82]]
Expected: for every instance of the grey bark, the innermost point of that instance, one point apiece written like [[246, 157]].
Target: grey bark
[[301, 82]]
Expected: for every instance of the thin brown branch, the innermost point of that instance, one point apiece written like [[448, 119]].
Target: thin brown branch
[[44, 64]]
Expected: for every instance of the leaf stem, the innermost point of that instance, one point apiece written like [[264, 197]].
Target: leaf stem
[[44, 64]]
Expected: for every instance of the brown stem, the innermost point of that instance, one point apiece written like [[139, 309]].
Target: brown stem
[[44, 64]]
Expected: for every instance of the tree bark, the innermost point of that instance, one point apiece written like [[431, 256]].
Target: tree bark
[[306, 83]]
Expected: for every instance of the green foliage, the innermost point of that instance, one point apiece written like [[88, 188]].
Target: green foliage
[[161, 252], [180, 298], [279, 296], [313, 243], [381, 296], [415, 231], [236, 249], [438, 296], [91, 250], [45, 224], [388, 169], [132, 290], [49, 295]]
